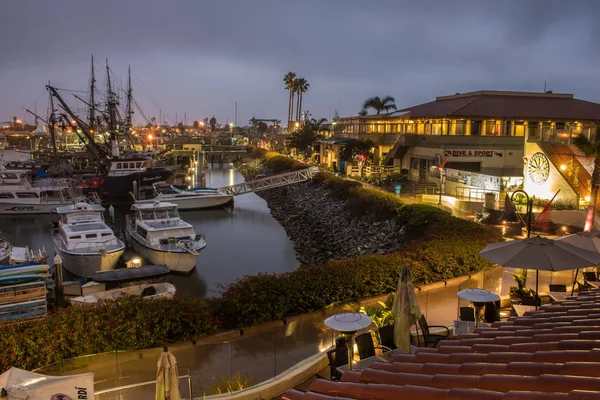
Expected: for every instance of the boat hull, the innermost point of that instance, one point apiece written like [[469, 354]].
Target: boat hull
[[182, 262], [117, 188], [20, 208], [84, 265], [164, 290], [197, 203]]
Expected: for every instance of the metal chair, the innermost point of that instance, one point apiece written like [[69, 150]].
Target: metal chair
[[467, 314], [337, 357], [558, 288], [386, 334], [428, 337], [366, 347], [590, 276]]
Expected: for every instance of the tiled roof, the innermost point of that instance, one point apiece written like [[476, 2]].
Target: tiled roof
[[552, 353], [489, 104]]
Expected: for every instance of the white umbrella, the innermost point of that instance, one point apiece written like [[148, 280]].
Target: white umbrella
[[540, 254], [478, 296], [167, 378], [584, 240], [405, 309], [348, 323]]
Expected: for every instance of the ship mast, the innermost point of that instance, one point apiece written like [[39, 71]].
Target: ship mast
[[112, 116], [129, 119], [52, 121], [92, 113]]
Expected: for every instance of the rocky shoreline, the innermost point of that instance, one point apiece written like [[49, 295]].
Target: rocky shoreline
[[320, 227]]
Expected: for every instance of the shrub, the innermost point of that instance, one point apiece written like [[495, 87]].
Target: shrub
[[125, 324]]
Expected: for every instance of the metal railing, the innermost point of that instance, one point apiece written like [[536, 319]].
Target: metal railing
[[463, 192], [270, 182], [101, 394]]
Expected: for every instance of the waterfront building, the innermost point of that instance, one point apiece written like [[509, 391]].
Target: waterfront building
[[486, 141]]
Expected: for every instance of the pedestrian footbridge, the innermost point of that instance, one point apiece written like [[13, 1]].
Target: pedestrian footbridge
[[270, 182]]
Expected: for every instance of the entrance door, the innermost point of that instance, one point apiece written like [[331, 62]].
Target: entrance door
[[424, 169]]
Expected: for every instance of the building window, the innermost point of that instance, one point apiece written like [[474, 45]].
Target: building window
[[518, 129]]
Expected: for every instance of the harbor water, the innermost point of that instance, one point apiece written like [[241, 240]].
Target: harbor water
[[243, 239]]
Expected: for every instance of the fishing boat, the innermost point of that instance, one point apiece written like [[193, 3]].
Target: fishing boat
[[84, 241], [21, 194], [143, 282], [158, 233], [190, 200]]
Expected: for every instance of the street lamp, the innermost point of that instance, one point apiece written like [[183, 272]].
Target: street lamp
[[528, 208]]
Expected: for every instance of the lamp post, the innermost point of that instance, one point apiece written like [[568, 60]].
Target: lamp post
[[528, 208]]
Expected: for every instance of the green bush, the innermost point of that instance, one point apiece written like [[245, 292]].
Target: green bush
[[125, 324]]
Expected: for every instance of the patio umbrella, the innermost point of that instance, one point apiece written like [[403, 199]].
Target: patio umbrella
[[584, 240], [167, 378], [540, 254], [478, 297], [405, 309]]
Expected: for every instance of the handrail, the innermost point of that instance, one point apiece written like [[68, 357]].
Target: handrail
[[134, 385]]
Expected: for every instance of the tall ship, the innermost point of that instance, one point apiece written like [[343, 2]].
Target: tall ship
[[113, 174], [84, 241], [158, 233]]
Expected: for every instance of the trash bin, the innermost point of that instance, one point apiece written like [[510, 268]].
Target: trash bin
[[397, 189]]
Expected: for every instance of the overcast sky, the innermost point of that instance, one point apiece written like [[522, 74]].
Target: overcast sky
[[199, 57]]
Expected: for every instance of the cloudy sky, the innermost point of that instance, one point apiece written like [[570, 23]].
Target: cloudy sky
[[200, 57]]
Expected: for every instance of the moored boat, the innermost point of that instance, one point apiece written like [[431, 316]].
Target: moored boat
[[84, 241], [189, 200], [158, 233]]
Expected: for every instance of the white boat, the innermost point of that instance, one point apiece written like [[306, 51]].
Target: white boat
[[21, 194], [190, 200], [84, 241], [146, 291], [161, 237], [143, 282]]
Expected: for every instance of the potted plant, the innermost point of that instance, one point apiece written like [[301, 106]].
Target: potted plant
[[381, 316], [519, 291]]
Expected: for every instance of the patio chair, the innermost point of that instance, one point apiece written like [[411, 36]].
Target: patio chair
[[583, 287], [337, 357], [467, 314], [366, 347], [531, 301], [386, 334], [491, 312], [558, 288], [428, 337], [590, 276]]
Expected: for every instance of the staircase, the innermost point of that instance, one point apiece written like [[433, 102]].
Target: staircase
[[574, 172]]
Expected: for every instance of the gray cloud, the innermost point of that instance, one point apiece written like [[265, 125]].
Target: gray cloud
[[199, 57]]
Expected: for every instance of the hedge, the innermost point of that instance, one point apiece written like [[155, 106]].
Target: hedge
[[125, 324], [440, 247]]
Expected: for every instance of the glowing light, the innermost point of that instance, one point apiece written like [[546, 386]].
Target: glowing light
[[563, 167], [136, 261], [564, 228], [587, 198], [150, 137], [297, 124]]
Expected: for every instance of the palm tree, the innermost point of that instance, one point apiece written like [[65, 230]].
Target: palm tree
[[289, 80], [307, 135], [213, 123], [302, 87], [378, 104], [591, 149]]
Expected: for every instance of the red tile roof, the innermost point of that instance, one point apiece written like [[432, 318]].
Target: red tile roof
[[513, 105], [552, 353]]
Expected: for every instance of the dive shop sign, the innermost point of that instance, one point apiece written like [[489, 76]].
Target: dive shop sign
[[472, 153]]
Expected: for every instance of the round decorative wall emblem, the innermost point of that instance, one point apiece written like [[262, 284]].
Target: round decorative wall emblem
[[60, 396], [538, 168]]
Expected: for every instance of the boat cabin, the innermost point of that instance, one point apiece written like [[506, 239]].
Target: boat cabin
[[159, 222], [82, 225], [80, 213], [124, 166]]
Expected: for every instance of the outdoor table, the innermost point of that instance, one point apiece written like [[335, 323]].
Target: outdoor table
[[559, 296], [520, 309], [364, 364]]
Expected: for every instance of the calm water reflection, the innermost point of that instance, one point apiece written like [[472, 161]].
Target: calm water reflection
[[241, 240]]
